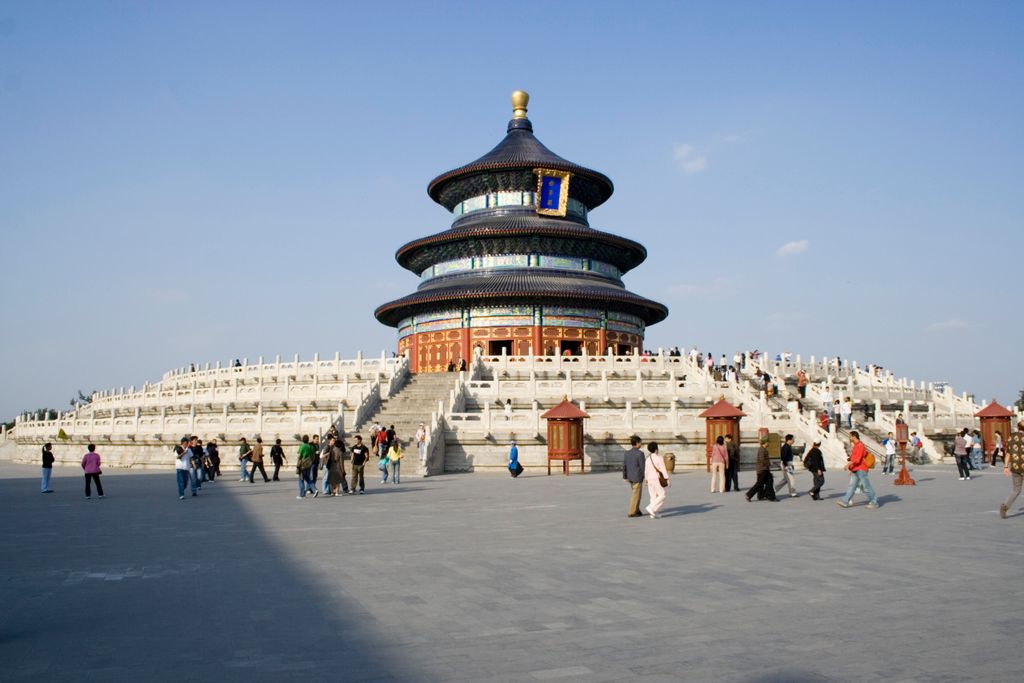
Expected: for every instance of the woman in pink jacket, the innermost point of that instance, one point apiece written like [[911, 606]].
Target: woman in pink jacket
[[719, 461], [654, 471], [91, 465]]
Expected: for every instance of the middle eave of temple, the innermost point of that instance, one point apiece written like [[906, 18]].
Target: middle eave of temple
[[508, 230]]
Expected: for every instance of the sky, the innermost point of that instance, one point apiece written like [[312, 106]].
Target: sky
[[194, 181]]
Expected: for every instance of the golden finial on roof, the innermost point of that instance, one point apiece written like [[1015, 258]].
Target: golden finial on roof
[[519, 101]]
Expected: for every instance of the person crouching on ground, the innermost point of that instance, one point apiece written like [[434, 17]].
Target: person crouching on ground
[[815, 464], [858, 474], [657, 480], [764, 487]]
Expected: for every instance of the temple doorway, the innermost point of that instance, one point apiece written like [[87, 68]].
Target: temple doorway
[[570, 348], [496, 347]]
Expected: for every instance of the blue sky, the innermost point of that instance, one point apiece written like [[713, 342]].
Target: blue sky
[[198, 181]]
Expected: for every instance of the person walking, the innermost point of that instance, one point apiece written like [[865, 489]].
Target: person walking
[[858, 467], [183, 469], [305, 466], [421, 443], [508, 409], [360, 454], [915, 447], [960, 454], [786, 464], [48, 461], [732, 471], [243, 458], [256, 456], [1013, 467], [719, 463], [888, 467], [395, 460], [815, 464], [335, 475], [801, 383], [657, 480], [764, 487], [278, 457], [514, 468], [633, 473], [997, 449]]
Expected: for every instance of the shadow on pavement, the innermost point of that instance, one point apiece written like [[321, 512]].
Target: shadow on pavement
[[688, 510], [142, 586]]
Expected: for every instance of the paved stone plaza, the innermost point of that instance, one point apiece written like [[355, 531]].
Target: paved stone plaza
[[482, 578]]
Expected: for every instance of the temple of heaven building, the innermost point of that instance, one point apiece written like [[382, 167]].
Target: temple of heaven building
[[520, 271]]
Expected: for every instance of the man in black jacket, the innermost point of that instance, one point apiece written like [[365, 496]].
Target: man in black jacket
[[633, 472], [732, 470], [816, 465]]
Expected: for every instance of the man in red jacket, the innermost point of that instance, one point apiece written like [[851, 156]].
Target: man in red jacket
[[858, 474]]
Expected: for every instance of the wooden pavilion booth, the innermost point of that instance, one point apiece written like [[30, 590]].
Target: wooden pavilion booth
[[994, 418], [720, 419], [565, 434]]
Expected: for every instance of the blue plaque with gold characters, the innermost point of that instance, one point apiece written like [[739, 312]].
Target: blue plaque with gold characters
[[552, 192]]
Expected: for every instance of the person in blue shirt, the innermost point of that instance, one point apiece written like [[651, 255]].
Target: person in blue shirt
[[514, 468]]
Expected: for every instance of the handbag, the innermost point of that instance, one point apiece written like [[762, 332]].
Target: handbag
[[383, 465], [661, 479]]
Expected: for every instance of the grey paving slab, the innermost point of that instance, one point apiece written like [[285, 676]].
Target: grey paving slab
[[484, 578]]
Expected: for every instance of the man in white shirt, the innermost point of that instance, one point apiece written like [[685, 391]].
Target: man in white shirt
[[890, 454]]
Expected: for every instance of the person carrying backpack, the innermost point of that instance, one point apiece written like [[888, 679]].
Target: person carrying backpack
[[860, 462]]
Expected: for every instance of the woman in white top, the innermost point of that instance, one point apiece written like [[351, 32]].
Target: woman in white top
[[654, 471]]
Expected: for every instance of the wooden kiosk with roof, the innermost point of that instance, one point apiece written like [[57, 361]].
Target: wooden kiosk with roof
[[994, 418], [565, 434], [722, 418]]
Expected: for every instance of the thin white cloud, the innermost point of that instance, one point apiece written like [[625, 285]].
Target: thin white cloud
[[793, 248], [948, 325], [732, 137], [689, 159], [683, 290]]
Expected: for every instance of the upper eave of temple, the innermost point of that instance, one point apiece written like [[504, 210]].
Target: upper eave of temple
[[509, 167], [519, 230]]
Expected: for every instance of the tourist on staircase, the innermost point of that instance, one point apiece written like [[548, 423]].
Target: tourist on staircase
[[846, 413], [801, 383], [421, 443]]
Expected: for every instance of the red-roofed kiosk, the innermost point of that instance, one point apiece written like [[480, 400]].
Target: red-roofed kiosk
[[722, 418], [994, 418], [565, 434]]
